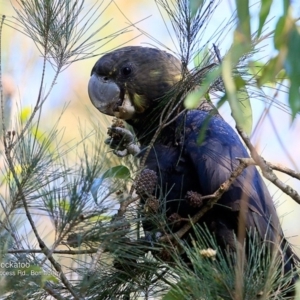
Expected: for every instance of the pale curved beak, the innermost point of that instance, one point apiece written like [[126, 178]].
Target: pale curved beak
[[104, 94]]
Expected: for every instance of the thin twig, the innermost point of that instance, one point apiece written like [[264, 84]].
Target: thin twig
[[8, 148], [52, 292], [267, 170], [125, 204], [101, 248], [44, 248], [276, 167], [69, 252], [214, 198], [42, 245]]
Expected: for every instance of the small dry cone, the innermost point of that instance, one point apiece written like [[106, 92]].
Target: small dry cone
[[165, 255], [151, 205], [194, 199], [174, 219], [116, 123], [145, 182]]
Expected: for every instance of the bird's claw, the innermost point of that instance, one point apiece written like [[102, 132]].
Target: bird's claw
[[124, 144], [152, 238]]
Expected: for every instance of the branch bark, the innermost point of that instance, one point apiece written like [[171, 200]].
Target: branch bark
[[267, 169], [213, 199]]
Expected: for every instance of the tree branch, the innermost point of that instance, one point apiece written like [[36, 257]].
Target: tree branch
[[44, 248], [276, 167], [267, 169], [213, 199]]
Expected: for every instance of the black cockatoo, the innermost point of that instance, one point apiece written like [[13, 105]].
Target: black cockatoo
[[135, 84]]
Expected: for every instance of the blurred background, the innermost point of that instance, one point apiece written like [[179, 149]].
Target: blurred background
[[276, 137]]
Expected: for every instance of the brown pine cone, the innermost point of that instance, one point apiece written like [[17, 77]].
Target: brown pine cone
[[151, 205], [194, 199], [165, 255], [174, 219], [116, 123], [145, 182]]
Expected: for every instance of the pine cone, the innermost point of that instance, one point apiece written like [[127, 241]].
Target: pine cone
[[115, 123], [174, 219], [151, 205], [164, 255], [145, 182], [194, 199]]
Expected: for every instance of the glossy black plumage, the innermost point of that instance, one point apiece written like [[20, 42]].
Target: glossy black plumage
[[181, 163], [190, 166]]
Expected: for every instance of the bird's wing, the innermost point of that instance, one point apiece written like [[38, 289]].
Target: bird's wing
[[214, 160]]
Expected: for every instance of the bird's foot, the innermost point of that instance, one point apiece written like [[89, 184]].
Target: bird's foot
[[122, 141]]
